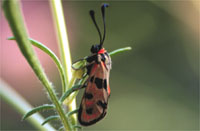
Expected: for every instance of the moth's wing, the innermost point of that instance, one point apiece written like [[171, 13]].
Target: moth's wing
[[94, 102]]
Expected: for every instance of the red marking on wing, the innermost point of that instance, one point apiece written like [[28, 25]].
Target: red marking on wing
[[94, 68], [89, 103], [93, 116], [85, 115], [108, 89]]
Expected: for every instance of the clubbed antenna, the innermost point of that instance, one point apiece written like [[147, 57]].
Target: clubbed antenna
[[94, 21], [104, 22]]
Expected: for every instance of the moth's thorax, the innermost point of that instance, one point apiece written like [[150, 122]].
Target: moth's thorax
[[104, 57]]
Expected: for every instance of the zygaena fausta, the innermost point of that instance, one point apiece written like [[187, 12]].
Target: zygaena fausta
[[94, 102]]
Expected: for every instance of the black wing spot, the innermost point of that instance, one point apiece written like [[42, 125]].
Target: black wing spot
[[103, 105], [88, 96], [89, 68], [105, 84], [89, 110], [98, 83], [91, 79]]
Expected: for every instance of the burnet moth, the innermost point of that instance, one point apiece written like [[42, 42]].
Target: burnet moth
[[94, 102]]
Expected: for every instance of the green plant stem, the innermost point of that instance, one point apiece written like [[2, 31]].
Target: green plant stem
[[62, 36], [20, 104], [64, 48], [72, 105], [13, 14]]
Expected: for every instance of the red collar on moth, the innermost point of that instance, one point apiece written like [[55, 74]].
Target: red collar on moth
[[101, 51]]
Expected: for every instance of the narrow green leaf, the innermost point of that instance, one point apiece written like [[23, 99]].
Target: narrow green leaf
[[119, 51], [50, 118], [77, 126], [37, 109], [52, 55], [72, 112], [69, 91]]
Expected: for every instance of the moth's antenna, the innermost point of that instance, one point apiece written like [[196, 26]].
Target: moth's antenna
[[104, 22], [94, 21]]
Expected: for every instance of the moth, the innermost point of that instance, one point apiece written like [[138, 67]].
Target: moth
[[94, 102]]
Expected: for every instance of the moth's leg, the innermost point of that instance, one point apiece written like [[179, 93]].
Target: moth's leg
[[90, 59], [76, 62], [78, 88], [82, 66]]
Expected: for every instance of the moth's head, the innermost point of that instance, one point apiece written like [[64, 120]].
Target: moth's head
[[95, 48]]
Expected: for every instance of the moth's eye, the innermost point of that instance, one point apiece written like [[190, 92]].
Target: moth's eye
[[94, 48]]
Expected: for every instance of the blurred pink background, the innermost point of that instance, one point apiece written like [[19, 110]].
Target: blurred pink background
[[14, 68]]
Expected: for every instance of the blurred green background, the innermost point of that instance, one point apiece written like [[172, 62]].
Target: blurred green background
[[155, 86]]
